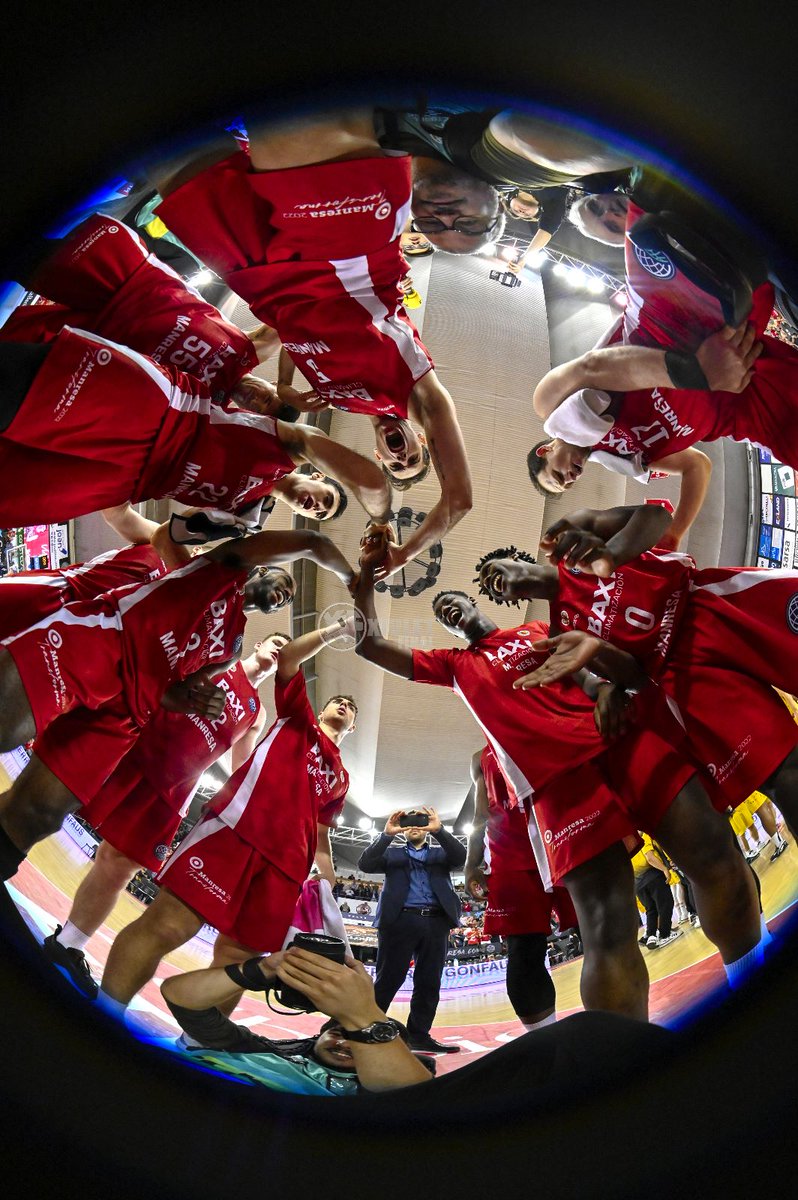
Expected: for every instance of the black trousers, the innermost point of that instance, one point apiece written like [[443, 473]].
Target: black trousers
[[425, 940], [654, 893]]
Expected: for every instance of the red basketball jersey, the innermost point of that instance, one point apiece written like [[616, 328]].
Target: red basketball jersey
[[638, 608], [294, 781]]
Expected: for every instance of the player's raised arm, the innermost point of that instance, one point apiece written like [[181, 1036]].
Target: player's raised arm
[[272, 549], [309, 401], [614, 536], [475, 879], [695, 469], [300, 649], [129, 524], [364, 479], [724, 362], [434, 409], [390, 656]]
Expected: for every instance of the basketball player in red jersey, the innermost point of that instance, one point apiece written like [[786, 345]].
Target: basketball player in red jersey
[[28, 596], [242, 867], [618, 406], [138, 809], [546, 752], [306, 229], [103, 667], [717, 640], [519, 908], [102, 278], [104, 425]]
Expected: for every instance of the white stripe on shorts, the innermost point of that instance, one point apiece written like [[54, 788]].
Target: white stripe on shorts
[[742, 581], [354, 276]]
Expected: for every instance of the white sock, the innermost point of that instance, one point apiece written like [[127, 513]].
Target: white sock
[[72, 937], [551, 1019], [778, 840], [737, 971], [116, 1008]]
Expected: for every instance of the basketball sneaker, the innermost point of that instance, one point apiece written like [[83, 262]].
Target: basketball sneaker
[[71, 963]]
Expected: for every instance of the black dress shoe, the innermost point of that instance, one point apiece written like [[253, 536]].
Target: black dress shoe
[[428, 1045]]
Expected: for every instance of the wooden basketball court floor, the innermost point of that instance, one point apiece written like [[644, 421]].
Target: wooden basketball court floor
[[477, 1019]]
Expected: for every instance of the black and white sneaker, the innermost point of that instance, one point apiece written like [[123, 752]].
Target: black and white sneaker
[[71, 963]]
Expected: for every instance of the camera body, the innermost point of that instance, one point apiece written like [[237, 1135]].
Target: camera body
[[413, 820], [317, 943]]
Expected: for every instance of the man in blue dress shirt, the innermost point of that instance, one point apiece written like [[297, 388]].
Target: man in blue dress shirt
[[417, 908]]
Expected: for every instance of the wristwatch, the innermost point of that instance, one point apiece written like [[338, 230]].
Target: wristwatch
[[378, 1031]]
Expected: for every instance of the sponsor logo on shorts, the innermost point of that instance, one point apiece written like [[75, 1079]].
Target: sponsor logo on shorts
[[656, 262], [50, 656], [55, 639], [113, 229], [792, 612], [160, 851], [382, 211], [564, 618], [197, 873], [103, 357], [572, 830], [720, 773]]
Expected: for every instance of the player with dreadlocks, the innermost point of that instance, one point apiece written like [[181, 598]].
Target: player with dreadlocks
[[556, 763], [703, 635]]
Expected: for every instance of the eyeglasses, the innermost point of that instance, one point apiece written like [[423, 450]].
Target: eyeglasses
[[470, 226]]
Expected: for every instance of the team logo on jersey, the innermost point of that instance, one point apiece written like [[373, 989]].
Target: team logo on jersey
[[161, 851], [237, 644], [656, 262], [382, 211], [252, 705], [196, 863], [564, 618], [792, 612], [55, 639], [103, 357], [548, 837]]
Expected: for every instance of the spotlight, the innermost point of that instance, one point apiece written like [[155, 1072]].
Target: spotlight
[[468, 829], [537, 259], [201, 279], [561, 270], [365, 823], [594, 284], [209, 782]]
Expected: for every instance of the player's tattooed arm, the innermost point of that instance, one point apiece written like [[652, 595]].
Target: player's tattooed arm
[[599, 540], [433, 408], [265, 341], [476, 882], [309, 401], [362, 477], [372, 646], [695, 469]]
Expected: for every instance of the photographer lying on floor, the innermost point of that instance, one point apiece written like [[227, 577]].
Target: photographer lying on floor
[[358, 1049]]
